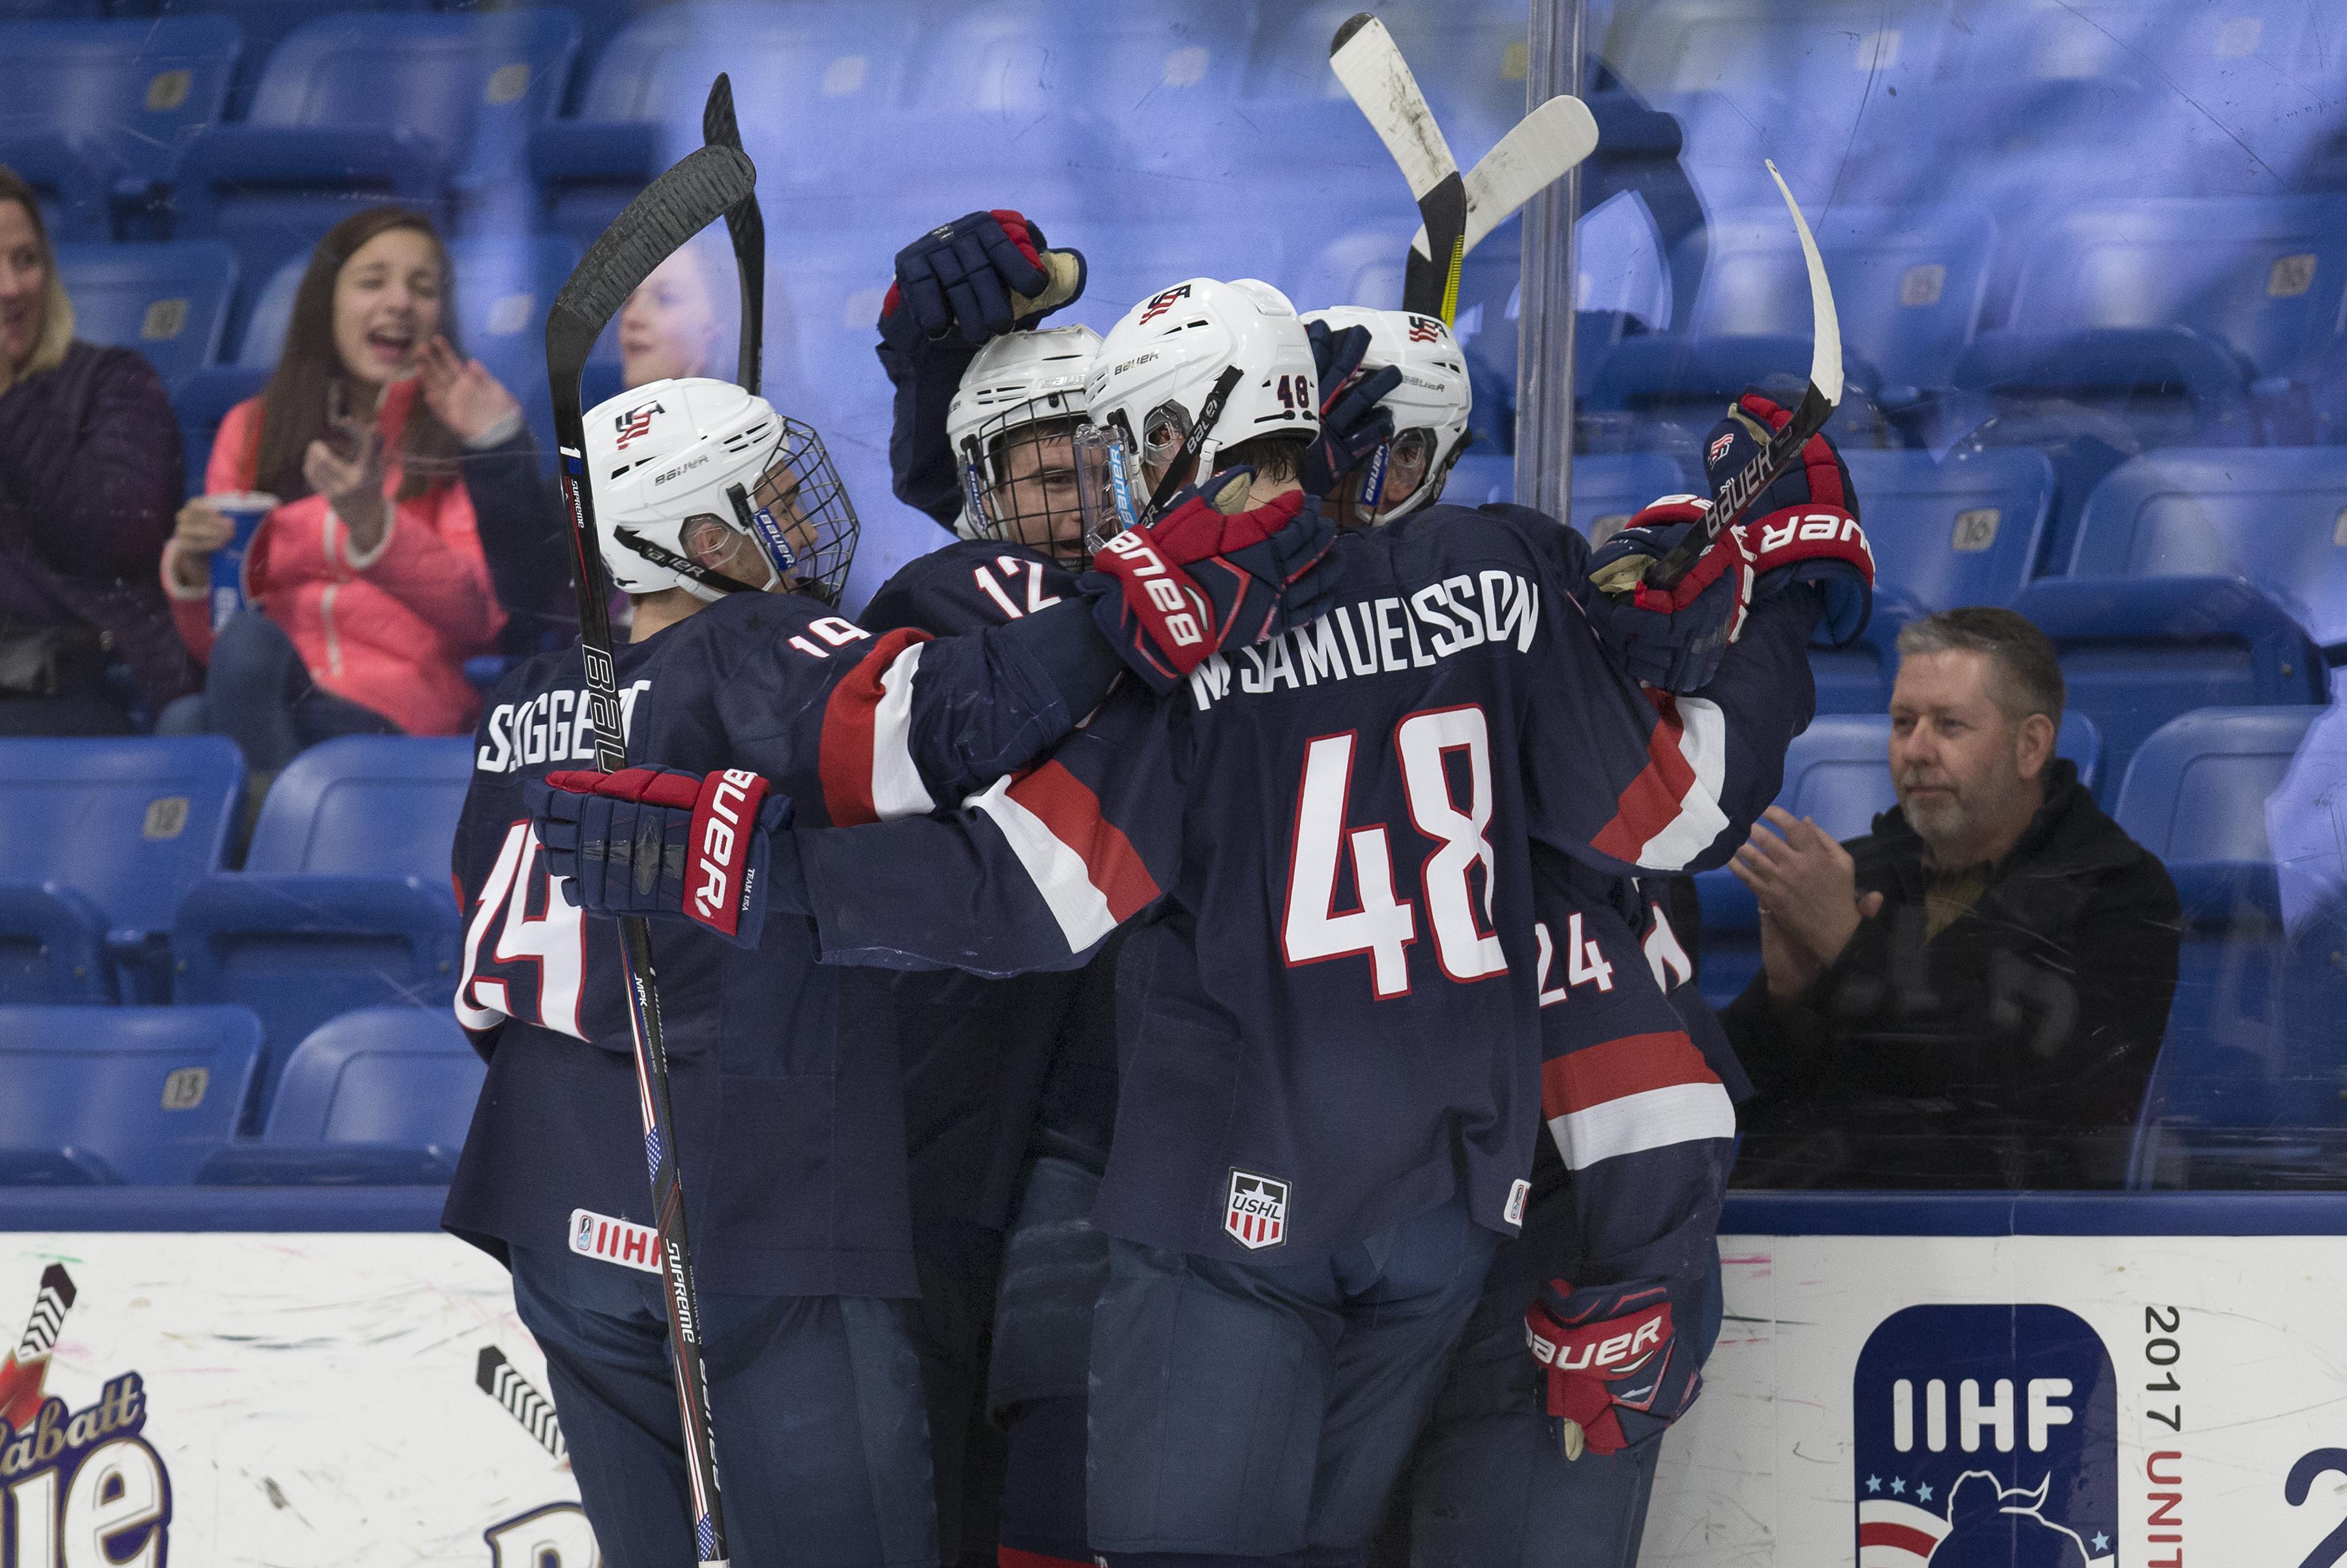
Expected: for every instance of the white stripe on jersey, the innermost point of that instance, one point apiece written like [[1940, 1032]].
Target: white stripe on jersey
[[1650, 1119], [1702, 742], [896, 787], [1058, 872]]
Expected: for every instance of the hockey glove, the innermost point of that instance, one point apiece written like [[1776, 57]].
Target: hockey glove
[[1803, 528], [985, 272], [1672, 638], [1206, 576], [1352, 426], [663, 844], [1616, 1374]]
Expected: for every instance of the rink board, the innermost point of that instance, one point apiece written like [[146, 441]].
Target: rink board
[[2223, 1370], [279, 1399]]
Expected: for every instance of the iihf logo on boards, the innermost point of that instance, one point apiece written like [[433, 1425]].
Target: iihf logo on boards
[[1985, 1435]]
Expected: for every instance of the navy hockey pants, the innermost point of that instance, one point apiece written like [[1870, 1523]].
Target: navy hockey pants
[[1490, 1486], [1256, 1411], [822, 1444]]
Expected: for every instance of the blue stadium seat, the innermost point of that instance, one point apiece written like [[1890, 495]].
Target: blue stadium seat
[[344, 901], [264, 23], [168, 301], [1838, 773], [381, 1095], [368, 105], [2277, 517], [1606, 489], [2244, 1075], [99, 838], [2136, 652], [1965, 530], [2166, 309], [800, 73], [109, 1095], [203, 398], [505, 286], [99, 112], [1909, 284]]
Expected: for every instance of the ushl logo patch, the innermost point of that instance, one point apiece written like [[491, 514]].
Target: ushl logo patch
[[1987, 1435], [635, 421], [1256, 1215]]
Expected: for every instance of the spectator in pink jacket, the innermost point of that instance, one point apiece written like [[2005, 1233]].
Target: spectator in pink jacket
[[367, 585]]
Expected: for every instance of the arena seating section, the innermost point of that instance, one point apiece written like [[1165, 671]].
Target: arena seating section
[[2101, 386]]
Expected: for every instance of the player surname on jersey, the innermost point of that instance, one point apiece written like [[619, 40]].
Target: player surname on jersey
[[1376, 636]]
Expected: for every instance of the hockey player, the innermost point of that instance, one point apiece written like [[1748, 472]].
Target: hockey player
[[1328, 1085], [1412, 379], [725, 524], [982, 1057]]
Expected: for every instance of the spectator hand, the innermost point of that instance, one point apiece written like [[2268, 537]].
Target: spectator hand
[[462, 392], [196, 532], [351, 484], [1809, 905]]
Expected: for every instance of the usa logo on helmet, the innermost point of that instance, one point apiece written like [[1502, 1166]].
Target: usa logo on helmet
[[1256, 1215], [635, 421], [1424, 329], [1161, 303]]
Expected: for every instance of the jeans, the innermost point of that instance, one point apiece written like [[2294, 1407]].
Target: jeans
[[259, 693]]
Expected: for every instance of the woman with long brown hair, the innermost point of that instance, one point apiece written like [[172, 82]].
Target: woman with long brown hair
[[367, 586], [90, 471]]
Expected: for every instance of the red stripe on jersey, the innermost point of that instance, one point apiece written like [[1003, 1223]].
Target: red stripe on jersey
[[1903, 1537], [1652, 802], [1012, 1557], [1067, 805], [843, 762], [1611, 1070]]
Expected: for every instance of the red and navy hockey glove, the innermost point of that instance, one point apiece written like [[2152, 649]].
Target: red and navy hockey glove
[[1203, 577], [1802, 529], [1616, 1374], [664, 845], [1352, 426], [1673, 637], [985, 272]]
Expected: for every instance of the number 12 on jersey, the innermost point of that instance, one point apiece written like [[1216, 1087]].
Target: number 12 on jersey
[[1384, 924]]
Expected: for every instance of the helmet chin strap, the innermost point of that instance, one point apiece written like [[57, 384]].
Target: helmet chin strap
[[707, 577]]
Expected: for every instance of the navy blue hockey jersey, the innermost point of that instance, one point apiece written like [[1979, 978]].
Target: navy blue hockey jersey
[[787, 1112], [976, 1053], [1332, 1006]]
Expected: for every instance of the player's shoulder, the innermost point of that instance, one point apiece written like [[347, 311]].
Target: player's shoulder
[[1442, 539], [966, 584], [742, 630]]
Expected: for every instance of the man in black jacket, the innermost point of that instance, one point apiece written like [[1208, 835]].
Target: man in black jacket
[[1973, 994]]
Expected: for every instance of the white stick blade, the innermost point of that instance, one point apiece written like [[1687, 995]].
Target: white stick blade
[[1370, 66], [1825, 353], [1546, 145]]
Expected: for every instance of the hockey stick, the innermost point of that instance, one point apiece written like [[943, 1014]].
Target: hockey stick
[[746, 227], [26, 1372], [1364, 58], [1784, 449], [1546, 145], [501, 1380], [703, 188]]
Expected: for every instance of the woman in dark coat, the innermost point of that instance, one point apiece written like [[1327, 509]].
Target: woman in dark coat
[[89, 478]]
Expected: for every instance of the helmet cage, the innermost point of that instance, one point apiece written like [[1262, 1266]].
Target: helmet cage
[[1020, 482], [798, 515]]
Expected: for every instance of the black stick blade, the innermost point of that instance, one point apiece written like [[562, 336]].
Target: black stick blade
[[746, 226], [669, 211], [1430, 282]]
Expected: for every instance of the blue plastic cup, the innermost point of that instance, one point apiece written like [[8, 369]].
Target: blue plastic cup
[[245, 509]]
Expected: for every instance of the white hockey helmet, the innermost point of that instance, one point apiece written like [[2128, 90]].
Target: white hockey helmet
[[1160, 366], [665, 454], [1430, 407], [1034, 382]]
